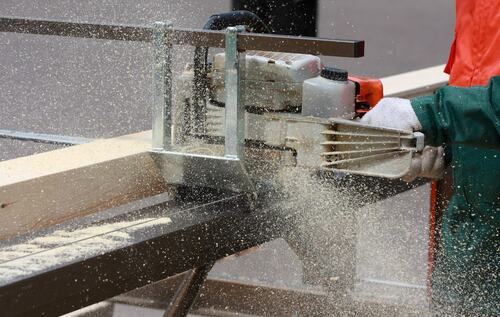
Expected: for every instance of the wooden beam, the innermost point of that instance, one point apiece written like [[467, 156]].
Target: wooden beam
[[415, 83], [48, 188]]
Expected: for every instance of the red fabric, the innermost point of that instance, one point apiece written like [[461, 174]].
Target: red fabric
[[475, 52]]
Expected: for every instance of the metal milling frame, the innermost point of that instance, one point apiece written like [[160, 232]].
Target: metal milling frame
[[189, 241], [227, 171]]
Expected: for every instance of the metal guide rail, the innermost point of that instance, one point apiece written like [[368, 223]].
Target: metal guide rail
[[229, 170], [166, 36], [179, 36]]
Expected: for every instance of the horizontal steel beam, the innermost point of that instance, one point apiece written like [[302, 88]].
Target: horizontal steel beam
[[72, 29], [43, 138], [205, 226], [236, 296], [240, 297], [272, 42], [205, 38], [196, 235]]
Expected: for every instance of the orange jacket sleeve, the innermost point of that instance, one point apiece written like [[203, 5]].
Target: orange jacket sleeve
[[475, 52]]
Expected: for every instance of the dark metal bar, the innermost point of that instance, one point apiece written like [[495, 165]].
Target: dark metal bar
[[188, 291], [205, 38], [152, 255], [303, 45], [73, 29], [43, 138], [199, 234], [275, 43], [236, 297], [221, 297], [263, 300]]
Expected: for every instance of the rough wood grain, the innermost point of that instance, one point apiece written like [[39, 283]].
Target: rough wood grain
[[43, 189]]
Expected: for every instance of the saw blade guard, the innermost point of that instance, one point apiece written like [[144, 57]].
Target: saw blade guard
[[357, 148]]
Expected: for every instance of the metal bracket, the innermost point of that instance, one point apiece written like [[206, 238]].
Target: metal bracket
[[419, 141], [235, 110], [162, 92], [225, 172]]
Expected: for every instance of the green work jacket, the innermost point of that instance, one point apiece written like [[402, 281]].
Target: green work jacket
[[467, 267]]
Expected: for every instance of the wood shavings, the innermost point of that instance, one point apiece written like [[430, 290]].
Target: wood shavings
[[44, 252]]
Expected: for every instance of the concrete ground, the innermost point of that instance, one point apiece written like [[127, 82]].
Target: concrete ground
[[102, 88]]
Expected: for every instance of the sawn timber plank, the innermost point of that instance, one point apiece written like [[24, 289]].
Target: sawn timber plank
[[40, 190]]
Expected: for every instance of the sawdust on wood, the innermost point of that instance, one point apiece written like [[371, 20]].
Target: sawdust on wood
[[61, 246]]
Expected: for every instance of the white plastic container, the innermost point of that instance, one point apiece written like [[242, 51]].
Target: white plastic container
[[330, 95]]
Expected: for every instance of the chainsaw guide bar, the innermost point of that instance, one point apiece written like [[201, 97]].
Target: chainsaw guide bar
[[357, 148]]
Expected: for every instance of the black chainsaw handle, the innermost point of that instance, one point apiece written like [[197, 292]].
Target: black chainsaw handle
[[249, 19]]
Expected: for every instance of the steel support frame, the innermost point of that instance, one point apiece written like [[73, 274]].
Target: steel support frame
[[162, 103], [155, 255], [206, 226], [188, 291], [182, 36], [162, 90]]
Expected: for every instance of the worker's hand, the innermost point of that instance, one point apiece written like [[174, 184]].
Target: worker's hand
[[393, 113], [428, 164]]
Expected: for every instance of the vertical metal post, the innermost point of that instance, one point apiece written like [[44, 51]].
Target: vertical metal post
[[188, 291], [162, 90], [235, 109]]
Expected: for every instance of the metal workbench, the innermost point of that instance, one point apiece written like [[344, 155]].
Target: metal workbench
[[204, 226]]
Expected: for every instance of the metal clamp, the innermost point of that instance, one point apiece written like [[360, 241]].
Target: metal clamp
[[235, 109], [419, 141], [162, 99], [226, 171], [162, 92], [163, 37]]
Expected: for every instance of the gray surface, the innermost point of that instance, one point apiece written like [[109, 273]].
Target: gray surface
[[391, 251], [103, 88], [84, 87], [400, 35]]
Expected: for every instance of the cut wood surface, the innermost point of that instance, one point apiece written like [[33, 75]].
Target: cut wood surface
[[44, 189]]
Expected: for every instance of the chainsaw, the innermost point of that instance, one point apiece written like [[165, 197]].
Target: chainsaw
[[238, 110]]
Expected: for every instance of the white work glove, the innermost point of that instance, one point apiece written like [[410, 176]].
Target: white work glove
[[398, 113], [395, 113]]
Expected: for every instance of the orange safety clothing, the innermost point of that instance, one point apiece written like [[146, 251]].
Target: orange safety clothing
[[475, 52]]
